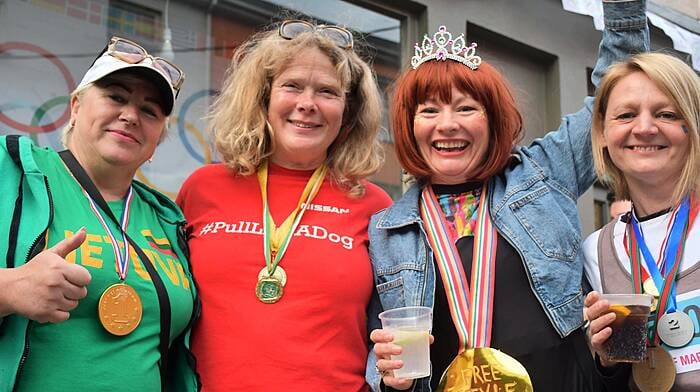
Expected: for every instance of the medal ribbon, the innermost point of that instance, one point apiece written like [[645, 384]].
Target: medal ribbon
[[683, 219], [471, 309], [642, 272], [121, 260], [276, 239]]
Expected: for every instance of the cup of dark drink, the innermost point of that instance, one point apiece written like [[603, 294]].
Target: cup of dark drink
[[628, 342]]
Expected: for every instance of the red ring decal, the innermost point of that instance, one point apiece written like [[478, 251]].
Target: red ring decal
[[70, 83]]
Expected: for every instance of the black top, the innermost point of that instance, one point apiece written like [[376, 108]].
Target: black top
[[521, 329]]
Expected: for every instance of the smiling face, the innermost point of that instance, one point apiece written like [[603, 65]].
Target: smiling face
[[643, 133], [118, 122], [305, 110], [452, 137]]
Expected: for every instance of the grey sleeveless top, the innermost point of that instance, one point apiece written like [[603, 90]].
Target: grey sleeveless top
[[615, 279]]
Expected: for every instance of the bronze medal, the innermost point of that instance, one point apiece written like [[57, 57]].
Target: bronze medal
[[485, 369], [656, 373], [269, 290], [279, 274], [120, 309]]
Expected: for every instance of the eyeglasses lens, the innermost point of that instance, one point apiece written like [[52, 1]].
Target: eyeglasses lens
[[293, 29], [129, 52], [170, 70], [340, 37]]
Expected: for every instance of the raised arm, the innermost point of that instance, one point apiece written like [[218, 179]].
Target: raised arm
[[566, 153], [626, 33]]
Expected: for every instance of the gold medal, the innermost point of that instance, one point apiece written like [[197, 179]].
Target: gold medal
[[269, 290], [654, 304], [270, 286], [120, 309], [656, 373], [485, 369], [650, 288], [279, 274]]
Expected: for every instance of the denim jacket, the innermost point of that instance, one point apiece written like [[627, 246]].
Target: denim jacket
[[532, 204]]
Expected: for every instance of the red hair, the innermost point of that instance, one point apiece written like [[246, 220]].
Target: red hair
[[434, 80]]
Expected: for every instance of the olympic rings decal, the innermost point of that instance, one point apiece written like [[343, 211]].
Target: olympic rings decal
[[48, 105], [189, 135], [44, 108], [182, 128], [70, 83]]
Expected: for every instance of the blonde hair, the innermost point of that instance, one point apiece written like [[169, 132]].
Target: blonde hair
[[682, 86], [238, 117], [68, 128]]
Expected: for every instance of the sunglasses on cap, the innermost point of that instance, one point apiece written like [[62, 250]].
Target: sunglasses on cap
[[291, 29], [132, 53]]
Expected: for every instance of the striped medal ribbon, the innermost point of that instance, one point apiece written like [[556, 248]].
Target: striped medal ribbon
[[664, 272], [471, 303], [272, 278], [121, 259], [120, 308]]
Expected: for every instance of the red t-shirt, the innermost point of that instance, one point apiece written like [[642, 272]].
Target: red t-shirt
[[315, 337]]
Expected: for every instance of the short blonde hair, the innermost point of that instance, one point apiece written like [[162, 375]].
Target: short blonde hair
[[238, 118], [682, 86], [68, 128]]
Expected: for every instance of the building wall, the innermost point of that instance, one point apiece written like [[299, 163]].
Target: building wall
[[544, 51]]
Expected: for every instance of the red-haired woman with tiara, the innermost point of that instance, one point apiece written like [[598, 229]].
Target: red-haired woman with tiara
[[488, 235]]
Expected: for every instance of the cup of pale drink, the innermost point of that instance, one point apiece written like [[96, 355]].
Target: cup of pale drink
[[628, 341], [411, 329]]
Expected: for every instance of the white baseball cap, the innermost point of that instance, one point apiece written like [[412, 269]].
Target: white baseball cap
[[108, 64]]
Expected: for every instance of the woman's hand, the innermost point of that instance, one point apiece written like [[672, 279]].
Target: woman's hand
[[384, 348], [47, 287], [596, 310]]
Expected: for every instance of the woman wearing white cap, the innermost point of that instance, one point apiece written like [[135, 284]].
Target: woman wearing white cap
[[96, 289]]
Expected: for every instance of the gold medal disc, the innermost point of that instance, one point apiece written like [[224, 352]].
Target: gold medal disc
[[279, 274], [269, 290], [650, 288], [120, 309], [654, 305], [485, 369], [656, 373]]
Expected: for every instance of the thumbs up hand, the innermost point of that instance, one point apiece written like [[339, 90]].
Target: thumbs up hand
[[47, 287]]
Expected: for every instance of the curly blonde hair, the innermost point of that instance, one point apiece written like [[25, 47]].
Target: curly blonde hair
[[682, 86], [238, 117]]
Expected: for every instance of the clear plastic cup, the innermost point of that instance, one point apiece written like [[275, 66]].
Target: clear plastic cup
[[628, 342], [411, 328]]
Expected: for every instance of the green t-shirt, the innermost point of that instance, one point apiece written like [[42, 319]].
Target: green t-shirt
[[79, 353]]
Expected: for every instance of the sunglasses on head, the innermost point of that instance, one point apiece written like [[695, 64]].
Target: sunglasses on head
[[132, 53], [290, 29]]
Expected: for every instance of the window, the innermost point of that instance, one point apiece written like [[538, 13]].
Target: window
[[135, 22]]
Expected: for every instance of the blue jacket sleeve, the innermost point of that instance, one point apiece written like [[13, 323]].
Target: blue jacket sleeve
[[565, 154]]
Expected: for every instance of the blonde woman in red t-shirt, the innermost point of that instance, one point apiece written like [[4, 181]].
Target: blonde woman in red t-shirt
[[279, 231]]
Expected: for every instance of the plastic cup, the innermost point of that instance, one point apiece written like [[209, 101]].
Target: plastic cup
[[411, 329], [628, 342]]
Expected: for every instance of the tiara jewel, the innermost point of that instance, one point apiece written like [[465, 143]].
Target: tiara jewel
[[443, 47]]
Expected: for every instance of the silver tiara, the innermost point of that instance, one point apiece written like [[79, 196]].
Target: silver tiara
[[443, 47]]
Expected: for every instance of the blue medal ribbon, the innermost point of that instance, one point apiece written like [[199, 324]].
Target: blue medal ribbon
[[670, 256]]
